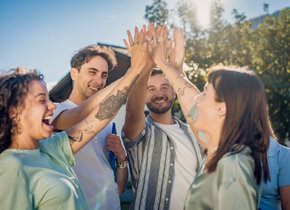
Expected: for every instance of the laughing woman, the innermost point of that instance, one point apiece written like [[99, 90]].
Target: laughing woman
[[37, 174], [232, 112]]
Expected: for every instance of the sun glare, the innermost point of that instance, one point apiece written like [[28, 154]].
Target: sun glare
[[203, 11]]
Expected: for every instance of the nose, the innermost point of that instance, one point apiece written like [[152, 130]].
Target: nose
[[51, 105], [99, 80]]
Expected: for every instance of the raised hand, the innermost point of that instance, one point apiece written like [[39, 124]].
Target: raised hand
[[177, 50], [147, 38], [159, 47], [138, 49]]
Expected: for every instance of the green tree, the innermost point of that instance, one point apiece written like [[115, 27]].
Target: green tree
[[157, 12], [271, 60]]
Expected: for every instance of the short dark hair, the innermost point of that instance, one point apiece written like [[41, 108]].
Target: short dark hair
[[85, 54], [156, 71], [13, 89]]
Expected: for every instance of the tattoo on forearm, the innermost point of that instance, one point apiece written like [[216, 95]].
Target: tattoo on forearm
[[112, 104], [79, 136], [180, 91]]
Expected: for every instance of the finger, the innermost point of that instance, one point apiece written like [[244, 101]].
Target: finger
[[136, 35], [169, 45], [150, 48], [159, 29], [154, 37], [150, 31], [130, 38], [166, 34], [141, 36], [127, 45], [145, 47]]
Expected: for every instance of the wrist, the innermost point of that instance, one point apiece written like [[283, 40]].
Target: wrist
[[122, 164], [121, 159]]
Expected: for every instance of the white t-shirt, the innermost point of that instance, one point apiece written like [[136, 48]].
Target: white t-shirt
[[185, 164], [93, 169]]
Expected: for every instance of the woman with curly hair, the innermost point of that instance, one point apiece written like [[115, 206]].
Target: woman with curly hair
[[35, 168], [232, 113]]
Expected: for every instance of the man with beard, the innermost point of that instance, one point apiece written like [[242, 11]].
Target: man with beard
[[162, 152]]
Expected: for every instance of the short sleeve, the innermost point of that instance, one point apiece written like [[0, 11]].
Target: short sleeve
[[14, 193], [284, 167], [129, 144], [58, 148]]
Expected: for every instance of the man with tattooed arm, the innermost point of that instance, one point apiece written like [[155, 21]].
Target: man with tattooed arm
[[89, 72]]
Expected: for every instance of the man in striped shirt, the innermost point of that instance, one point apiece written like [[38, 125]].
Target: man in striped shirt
[[162, 152]]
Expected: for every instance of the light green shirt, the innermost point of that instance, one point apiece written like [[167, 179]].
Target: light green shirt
[[231, 186], [41, 178]]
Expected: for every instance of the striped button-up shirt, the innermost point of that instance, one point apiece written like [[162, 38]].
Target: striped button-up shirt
[[151, 160]]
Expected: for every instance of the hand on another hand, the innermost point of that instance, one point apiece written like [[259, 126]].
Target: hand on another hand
[[138, 49], [159, 46]]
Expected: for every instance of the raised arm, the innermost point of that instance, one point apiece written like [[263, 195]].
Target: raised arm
[[70, 117], [102, 114], [185, 90], [135, 118]]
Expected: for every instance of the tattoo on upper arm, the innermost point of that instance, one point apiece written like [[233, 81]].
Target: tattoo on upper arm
[[112, 104], [79, 134]]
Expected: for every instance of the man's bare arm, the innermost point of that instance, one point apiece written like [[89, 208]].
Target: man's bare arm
[[70, 117]]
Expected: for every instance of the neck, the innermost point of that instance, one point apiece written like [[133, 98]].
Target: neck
[[165, 118], [21, 142], [76, 97], [212, 144]]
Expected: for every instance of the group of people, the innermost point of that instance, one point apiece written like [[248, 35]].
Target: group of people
[[57, 156]]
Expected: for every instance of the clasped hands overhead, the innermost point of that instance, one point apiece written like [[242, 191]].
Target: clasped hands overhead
[[153, 46]]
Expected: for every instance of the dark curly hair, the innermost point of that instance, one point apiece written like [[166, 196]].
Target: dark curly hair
[[13, 89], [85, 54], [247, 121]]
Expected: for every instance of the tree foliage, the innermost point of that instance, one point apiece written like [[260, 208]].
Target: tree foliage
[[157, 12], [265, 50]]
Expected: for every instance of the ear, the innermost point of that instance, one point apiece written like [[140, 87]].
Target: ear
[[74, 74], [12, 112], [221, 109]]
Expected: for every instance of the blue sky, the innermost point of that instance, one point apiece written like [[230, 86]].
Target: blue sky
[[44, 34]]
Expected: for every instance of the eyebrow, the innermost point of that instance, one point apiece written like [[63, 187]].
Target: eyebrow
[[165, 85], [40, 94], [94, 69]]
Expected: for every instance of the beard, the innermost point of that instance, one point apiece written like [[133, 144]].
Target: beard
[[159, 110]]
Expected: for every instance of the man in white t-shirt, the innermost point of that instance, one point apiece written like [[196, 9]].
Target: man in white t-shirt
[[89, 73], [163, 154]]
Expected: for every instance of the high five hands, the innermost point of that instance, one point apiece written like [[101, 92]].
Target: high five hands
[[154, 47]]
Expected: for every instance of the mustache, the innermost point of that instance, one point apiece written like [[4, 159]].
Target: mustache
[[159, 98]]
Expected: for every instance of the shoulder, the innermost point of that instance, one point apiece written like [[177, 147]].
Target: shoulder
[[53, 143], [10, 162], [278, 151], [239, 166]]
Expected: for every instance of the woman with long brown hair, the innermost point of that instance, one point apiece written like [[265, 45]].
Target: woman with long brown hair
[[232, 113]]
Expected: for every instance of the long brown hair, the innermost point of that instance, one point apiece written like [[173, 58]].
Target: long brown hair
[[246, 121]]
